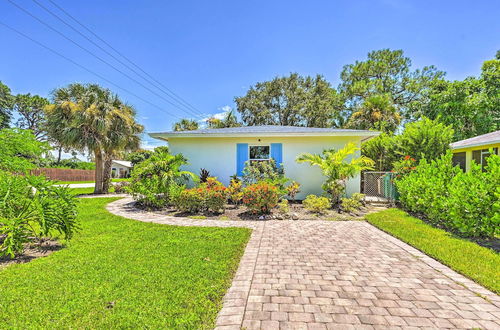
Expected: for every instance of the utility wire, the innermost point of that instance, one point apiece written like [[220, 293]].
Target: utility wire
[[170, 94], [96, 56], [86, 69], [120, 54]]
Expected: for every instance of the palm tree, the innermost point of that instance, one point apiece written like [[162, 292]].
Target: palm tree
[[185, 125], [90, 118], [229, 120], [377, 112], [334, 165]]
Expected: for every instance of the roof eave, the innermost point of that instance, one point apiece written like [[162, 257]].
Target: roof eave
[[479, 144], [166, 136]]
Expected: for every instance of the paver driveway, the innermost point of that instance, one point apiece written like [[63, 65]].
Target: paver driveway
[[319, 275]]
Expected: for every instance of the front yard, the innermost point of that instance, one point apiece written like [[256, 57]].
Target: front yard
[[118, 273]]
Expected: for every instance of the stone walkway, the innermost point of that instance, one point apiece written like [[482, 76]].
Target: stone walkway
[[338, 275]]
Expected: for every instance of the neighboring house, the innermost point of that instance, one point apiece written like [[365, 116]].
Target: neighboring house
[[475, 149], [120, 168], [224, 151]]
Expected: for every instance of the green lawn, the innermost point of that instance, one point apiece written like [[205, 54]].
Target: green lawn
[[86, 191], [72, 182], [468, 258], [121, 273]]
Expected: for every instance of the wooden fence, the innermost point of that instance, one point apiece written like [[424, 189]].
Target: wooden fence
[[63, 174]]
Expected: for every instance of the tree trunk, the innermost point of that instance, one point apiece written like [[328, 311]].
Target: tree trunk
[[106, 173], [59, 153], [98, 171]]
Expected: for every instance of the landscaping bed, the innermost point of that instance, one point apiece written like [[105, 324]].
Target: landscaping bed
[[297, 212], [32, 251]]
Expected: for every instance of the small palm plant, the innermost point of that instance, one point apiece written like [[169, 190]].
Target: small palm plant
[[334, 165]]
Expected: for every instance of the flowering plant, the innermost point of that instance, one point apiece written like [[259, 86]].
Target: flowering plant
[[261, 197]]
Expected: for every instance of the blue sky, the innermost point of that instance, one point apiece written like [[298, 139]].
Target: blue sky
[[208, 52]]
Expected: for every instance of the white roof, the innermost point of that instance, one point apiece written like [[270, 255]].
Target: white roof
[[123, 163], [263, 131], [481, 140]]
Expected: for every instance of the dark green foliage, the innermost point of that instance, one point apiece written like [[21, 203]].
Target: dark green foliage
[[32, 208], [292, 100], [138, 156], [466, 257], [425, 138], [71, 163], [465, 203], [269, 171], [30, 109], [6, 100], [122, 273]]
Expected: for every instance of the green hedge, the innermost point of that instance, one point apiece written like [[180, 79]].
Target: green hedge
[[465, 203]]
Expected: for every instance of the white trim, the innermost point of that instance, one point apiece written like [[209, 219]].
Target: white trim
[[259, 145], [479, 144], [166, 136]]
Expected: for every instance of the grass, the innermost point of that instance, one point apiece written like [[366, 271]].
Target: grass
[[121, 273], [468, 258], [75, 182], [86, 191]]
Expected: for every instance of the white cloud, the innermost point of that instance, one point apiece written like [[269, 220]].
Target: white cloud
[[219, 115]]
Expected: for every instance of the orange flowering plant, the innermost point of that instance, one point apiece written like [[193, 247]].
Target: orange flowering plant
[[404, 166], [261, 197], [210, 196]]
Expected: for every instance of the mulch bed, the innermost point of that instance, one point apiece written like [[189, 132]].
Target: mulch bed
[[32, 251], [297, 212]]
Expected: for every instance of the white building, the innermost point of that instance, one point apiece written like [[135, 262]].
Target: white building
[[224, 151]]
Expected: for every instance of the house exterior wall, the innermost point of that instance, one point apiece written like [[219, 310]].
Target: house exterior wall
[[468, 152], [119, 169], [218, 155]]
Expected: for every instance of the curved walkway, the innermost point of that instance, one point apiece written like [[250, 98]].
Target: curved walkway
[[328, 275]]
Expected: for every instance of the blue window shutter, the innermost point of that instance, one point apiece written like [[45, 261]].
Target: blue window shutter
[[277, 153], [241, 157]]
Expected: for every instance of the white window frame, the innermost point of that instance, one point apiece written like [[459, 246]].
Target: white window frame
[[259, 145]]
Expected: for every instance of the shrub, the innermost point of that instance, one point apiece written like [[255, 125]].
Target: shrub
[[235, 191], [268, 171], [121, 187], [261, 197], [204, 175], [189, 200], [32, 208], [293, 189], [316, 204], [449, 198], [283, 207], [153, 179], [359, 197], [209, 196], [350, 204]]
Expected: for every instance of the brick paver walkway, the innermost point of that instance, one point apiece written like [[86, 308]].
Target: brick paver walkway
[[329, 275]]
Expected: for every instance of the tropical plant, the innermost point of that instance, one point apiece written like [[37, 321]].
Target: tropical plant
[[228, 120], [20, 151], [32, 208], [261, 197], [209, 196], [204, 175], [316, 204], [138, 156], [153, 180], [336, 168], [185, 125], [292, 189], [235, 191], [91, 118], [376, 112], [283, 207]]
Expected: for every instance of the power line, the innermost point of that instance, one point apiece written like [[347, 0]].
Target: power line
[[96, 56], [86, 69], [169, 93], [120, 54]]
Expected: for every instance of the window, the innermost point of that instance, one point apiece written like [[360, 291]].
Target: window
[[259, 153], [459, 159], [479, 156]]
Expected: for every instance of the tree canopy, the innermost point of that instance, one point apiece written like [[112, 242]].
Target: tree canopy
[[6, 100], [293, 100], [185, 125], [31, 113]]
